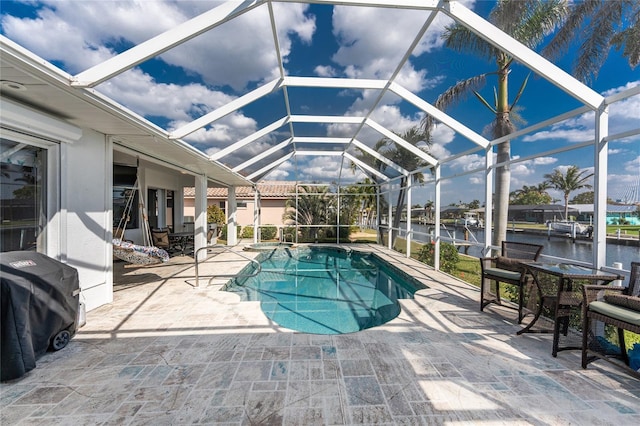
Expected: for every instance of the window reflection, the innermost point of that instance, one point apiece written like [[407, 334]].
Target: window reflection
[[22, 196]]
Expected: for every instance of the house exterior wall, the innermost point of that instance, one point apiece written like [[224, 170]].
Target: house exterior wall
[[78, 187], [86, 199], [271, 210]]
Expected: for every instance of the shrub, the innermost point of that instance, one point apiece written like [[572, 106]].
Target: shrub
[[247, 232], [223, 233], [268, 232], [448, 256], [216, 215]]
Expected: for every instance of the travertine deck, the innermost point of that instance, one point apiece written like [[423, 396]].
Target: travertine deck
[[165, 352]]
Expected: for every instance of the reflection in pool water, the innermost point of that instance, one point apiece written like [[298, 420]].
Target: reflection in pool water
[[326, 290]]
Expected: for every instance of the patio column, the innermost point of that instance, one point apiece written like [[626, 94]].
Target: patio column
[[409, 189], [390, 221], [200, 219], [489, 171], [338, 217], [232, 208], [436, 253], [378, 215], [600, 163], [256, 214]]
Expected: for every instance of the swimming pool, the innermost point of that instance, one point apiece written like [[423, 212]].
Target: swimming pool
[[326, 290]]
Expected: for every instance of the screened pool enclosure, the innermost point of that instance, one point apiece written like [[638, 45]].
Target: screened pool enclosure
[[368, 163]]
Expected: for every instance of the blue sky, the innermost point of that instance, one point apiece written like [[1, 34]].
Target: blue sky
[[317, 40]]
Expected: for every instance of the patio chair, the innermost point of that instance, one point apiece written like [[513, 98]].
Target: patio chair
[[160, 238], [616, 306], [507, 268]]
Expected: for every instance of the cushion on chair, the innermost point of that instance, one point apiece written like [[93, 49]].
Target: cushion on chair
[[502, 273], [630, 302], [616, 312], [160, 238], [509, 263]]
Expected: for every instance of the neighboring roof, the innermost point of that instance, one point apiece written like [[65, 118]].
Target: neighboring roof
[[267, 189], [611, 208]]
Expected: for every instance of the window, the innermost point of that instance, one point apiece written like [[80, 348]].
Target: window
[[23, 196], [124, 187], [241, 204]]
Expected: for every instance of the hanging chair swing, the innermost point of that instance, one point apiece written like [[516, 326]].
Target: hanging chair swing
[[146, 254]]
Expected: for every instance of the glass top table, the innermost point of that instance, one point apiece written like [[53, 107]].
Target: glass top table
[[560, 294]]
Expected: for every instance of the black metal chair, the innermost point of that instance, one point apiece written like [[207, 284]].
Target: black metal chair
[[507, 268]]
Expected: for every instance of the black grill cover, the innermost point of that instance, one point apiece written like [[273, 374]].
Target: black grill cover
[[39, 299]]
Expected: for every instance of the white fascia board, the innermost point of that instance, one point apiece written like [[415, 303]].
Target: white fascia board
[[324, 139], [270, 166], [303, 153], [397, 139], [365, 167], [226, 109], [27, 120], [380, 157], [395, 4], [326, 119], [251, 138], [439, 115], [262, 155], [163, 42], [537, 63], [336, 83]]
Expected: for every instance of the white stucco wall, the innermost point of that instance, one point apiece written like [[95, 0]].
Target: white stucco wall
[[86, 196]]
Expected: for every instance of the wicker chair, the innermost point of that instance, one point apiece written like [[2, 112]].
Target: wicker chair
[[617, 306], [507, 269]]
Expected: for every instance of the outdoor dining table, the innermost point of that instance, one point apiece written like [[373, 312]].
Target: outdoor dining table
[[561, 294], [181, 240]]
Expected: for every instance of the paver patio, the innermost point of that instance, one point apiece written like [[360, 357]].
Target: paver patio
[[167, 352]]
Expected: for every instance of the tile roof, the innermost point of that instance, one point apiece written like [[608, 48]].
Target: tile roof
[[268, 189]]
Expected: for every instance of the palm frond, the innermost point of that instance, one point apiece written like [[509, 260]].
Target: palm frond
[[524, 84], [461, 39], [484, 102], [541, 20], [451, 96], [578, 14], [630, 39], [594, 51]]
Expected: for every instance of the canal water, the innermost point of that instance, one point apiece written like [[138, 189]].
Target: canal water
[[558, 246]]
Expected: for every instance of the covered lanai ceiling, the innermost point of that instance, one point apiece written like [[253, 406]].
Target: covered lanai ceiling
[[274, 111]]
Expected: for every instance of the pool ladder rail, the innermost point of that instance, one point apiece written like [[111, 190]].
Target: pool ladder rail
[[225, 249]]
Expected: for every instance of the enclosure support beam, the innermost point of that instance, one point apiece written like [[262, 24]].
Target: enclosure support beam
[[232, 209], [436, 248], [409, 189], [600, 163], [489, 171], [200, 225]]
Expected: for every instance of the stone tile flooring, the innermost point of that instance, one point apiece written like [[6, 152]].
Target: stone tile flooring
[[167, 352]]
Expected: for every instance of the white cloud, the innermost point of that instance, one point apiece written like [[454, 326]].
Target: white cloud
[[544, 161], [623, 116], [325, 71]]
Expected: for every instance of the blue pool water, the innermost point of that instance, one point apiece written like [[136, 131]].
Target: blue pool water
[[325, 290]]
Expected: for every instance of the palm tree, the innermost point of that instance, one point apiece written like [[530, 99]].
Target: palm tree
[[528, 21], [534, 194], [405, 159], [600, 25], [571, 181], [314, 207]]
